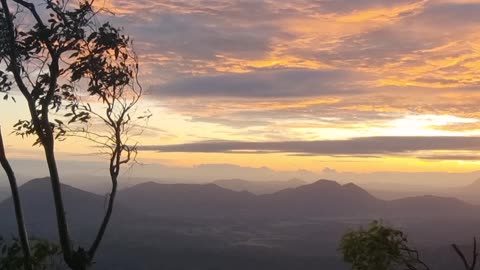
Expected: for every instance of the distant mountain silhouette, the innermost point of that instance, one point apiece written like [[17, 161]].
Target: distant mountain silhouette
[[259, 187], [469, 193], [323, 198], [190, 240], [84, 209], [196, 200], [474, 185], [429, 205], [4, 194]]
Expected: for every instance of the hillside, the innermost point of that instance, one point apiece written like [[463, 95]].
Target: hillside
[[323, 198], [468, 193], [193, 200], [84, 209], [433, 206], [258, 187]]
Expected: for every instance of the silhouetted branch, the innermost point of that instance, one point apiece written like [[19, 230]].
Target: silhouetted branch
[[467, 265], [116, 115], [413, 259], [475, 253]]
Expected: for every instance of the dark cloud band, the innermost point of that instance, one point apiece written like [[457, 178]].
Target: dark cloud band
[[356, 146], [264, 83]]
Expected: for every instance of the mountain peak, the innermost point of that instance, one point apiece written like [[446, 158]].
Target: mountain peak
[[325, 183], [38, 181], [148, 184], [352, 186], [37, 184]]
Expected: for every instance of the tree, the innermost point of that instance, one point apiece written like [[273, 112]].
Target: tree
[[115, 85], [22, 231], [49, 61], [379, 248], [45, 255]]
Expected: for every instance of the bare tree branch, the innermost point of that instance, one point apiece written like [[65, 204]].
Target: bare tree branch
[[466, 264]]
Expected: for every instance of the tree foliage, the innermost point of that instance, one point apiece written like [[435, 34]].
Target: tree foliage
[[53, 58], [45, 255], [379, 247], [61, 58]]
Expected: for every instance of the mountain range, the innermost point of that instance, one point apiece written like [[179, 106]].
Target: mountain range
[[205, 226], [321, 199], [387, 191]]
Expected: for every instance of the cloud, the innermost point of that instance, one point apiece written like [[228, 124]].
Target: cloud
[[349, 147], [329, 170], [373, 109], [432, 46], [451, 157], [226, 121], [277, 83], [215, 38], [348, 6], [194, 37], [306, 69], [449, 15]]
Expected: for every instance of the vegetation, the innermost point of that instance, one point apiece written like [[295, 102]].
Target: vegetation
[[380, 247], [45, 255], [22, 231], [49, 61]]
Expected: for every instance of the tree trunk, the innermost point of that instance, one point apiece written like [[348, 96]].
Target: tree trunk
[[22, 231], [106, 219], [62, 224]]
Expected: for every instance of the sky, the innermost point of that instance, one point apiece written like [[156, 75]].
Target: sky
[[356, 86]]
